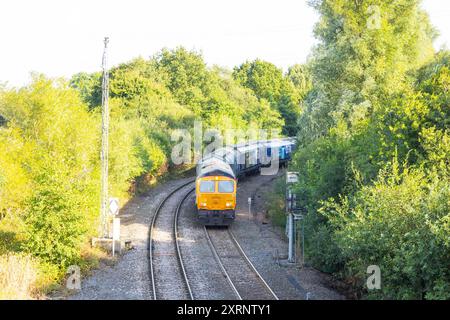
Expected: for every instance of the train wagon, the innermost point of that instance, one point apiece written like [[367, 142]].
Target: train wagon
[[218, 173], [215, 192], [285, 148]]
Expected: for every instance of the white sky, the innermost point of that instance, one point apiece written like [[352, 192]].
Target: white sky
[[63, 37]]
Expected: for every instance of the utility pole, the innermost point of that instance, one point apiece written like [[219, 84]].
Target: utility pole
[[105, 143]]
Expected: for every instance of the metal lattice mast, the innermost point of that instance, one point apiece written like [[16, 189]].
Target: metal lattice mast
[[105, 144]]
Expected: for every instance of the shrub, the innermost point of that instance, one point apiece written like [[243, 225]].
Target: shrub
[[395, 224], [56, 221]]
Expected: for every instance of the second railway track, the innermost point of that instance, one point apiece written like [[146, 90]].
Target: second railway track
[[243, 277]]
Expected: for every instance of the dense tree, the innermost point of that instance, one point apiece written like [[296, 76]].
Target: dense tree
[[284, 93], [264, 78], [58, 199], [365, 50], [185, 74], [89, 86], [374, 148], [50, 140], [300, 77]]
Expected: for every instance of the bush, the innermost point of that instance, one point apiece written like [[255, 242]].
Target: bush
[[276, 203], [393, 224], [56, 222], [324, 171], [321, 249], [363, 210]]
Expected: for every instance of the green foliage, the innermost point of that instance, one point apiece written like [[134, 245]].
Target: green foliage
[[14, 185], [175, 86], [300, 77], [321, 249], [392, 224], [284, 93], [368, 225], [186, 76], [150, 153], [89, 86], [56, 224], [264, 78], [377, 95], [211, 94], [47, 121], [124, 160], [324, 174], [50, 145], [355, 67], [276, 204]]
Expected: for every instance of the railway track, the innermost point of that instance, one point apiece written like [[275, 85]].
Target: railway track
[[168, 275], [242, 276], [167, 272]]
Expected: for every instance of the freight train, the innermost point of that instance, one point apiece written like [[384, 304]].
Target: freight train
[[218, 174]]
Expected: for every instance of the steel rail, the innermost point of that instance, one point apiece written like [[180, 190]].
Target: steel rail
[[177, 245], [219, 261], [238, 246], [150, 236]]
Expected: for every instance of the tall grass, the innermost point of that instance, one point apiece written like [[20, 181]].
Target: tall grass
[[17, 274]]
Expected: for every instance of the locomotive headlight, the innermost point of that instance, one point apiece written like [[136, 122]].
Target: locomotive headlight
[[203, 204], [229, 204]]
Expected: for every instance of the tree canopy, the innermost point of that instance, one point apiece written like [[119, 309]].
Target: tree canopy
[[283, 92], [373, 138]]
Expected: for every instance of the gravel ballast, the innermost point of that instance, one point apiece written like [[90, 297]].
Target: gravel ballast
[[129, 277], [263, 244]]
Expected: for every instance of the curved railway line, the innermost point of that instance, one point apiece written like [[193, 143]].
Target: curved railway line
[[168, 276], [165, 253]]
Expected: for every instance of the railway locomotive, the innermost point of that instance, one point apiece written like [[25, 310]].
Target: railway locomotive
[[218, 174]]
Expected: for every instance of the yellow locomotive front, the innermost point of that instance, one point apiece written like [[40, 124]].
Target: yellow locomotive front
[[216, 194]]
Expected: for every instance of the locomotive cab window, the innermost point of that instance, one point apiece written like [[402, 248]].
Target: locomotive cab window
[[207, 186], [226, 186]]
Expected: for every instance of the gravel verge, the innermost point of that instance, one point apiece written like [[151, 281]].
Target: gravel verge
[[129, 277], [267, 249]]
